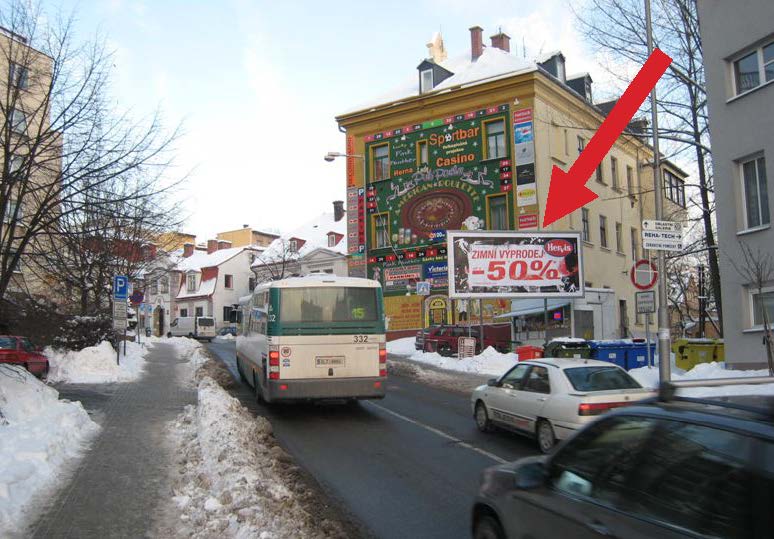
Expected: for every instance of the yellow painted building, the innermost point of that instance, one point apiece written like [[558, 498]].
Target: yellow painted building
[[478, 91], [245, 236], [174, 241]]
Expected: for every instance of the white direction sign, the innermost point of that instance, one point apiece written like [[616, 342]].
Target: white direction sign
[[662, 226], [645, 302], [662, 245]]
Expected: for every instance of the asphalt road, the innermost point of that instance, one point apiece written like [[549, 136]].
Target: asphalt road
[[404, 466]]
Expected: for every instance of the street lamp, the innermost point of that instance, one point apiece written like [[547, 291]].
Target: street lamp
[[330, 157]]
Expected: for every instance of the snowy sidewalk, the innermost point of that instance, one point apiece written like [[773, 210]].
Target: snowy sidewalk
[[121, 481]]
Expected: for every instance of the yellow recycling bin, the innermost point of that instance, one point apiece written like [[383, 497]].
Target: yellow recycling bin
[[691, 352]]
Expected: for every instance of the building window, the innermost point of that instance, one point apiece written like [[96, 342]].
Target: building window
[[199, 311], [422, 155], [586, 225], [191, 284], [618, 238], [292, 246], [14, 164], [674, 188], [227, 309], [635, 244], [630, 180], [603, 231], [380, 155], [756, 196], [18, 75], [154, 288], [381, 230], [13, 214], [599, 177], [566, 143], [228, 281], [581, 144], [495, 139], [760, 302], [251, 284], [183, 313], [18, 121], [754, 69], [614, 172], [331, 240], [164, 283], [497, 212], [425, 81]]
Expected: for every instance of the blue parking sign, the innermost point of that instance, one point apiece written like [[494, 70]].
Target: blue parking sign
[[120, 287]]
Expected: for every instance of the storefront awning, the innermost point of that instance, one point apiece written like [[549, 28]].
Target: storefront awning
[[523, 307]]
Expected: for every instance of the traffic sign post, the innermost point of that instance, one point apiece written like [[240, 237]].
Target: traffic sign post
[[644, 276], [662, 235], [120, 295], [645, 301]]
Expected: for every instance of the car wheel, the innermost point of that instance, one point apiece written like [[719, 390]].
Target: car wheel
[[545, 436], [488, 527], [482, 418], [445, 350], [169, 334], [190, 335]]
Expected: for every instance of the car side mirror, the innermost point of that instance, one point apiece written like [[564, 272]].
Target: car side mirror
[[531, 475], [492, 382]]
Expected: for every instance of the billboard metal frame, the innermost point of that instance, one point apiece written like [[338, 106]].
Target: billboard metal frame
[[453, 235]]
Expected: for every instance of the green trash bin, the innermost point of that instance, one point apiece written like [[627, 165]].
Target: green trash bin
[[575, 348]]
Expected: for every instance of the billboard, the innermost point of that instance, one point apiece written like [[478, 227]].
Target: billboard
[[488, 264]]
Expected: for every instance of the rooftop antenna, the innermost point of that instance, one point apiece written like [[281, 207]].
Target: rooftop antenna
[[523, 48]]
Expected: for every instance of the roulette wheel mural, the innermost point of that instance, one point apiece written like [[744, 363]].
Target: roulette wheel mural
[[442, 209]]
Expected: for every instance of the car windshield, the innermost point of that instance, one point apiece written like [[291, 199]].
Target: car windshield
[[600, 378], [7, 343]]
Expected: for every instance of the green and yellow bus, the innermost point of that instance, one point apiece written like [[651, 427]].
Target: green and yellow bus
[[312, 338]]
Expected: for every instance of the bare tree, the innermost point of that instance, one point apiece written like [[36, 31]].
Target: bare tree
[[616, 30], [65, 152], [280, 260], [756, 269]]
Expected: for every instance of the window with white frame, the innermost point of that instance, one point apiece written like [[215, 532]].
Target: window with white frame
[[762, 302], [191, 282], [331, 240], [634, 242], [495, 139], [380, 155], [164, 285], [18, 75], [754, 68], [183, 313], [630, 179], [154, 286], [755, 191], [674, 188], [228, 281], [425, 81], [293, 246], [18, 121]]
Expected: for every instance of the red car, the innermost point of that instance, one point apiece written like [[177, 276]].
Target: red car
[[445, 339], [20, 351]]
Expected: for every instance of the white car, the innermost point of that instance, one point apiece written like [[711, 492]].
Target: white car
[[552, 398]]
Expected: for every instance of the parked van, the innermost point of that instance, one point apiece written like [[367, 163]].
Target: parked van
[[196, 327]]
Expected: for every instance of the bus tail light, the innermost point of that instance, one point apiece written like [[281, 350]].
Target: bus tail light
[[382, 361], [274, 358]]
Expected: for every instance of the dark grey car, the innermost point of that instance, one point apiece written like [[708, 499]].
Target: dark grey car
[[682, 468]]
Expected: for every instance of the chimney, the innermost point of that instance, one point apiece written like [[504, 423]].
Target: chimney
[[245, 226], [224, 244], [338, 210], [476, 45], [188, 249], [212, 246], [501, 41]]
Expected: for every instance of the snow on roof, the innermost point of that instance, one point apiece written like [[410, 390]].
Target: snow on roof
[[315, 236], [206, 288], [547, 56], [200, 259], [491, 64]]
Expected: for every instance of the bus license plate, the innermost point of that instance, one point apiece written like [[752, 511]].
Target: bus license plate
[[329, 361]]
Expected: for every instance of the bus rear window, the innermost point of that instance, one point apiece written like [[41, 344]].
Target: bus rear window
[[330, 304]]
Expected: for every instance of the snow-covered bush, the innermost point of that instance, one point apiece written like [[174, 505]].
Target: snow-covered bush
[[80, 332]]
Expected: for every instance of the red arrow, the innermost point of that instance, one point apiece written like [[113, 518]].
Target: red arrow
[[567, 191]]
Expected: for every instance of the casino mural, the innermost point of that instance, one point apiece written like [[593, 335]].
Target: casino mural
[[453, 173]]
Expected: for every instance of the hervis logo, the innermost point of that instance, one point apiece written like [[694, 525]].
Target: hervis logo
[[558, 247]]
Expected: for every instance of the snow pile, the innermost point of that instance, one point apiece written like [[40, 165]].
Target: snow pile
[[490, 361], [96, 364], [235, 481], [705, 371], [39, 435], [402, 347]]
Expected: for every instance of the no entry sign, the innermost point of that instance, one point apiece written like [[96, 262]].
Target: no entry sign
[[644, 274]]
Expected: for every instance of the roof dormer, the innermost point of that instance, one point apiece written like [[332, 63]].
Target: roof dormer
[[553, 62], [431, 75]]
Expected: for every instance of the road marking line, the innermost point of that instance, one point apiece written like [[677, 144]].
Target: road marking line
[[440, 433]]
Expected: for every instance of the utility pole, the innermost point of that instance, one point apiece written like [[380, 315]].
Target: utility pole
[[664, 351], [702, 302]]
